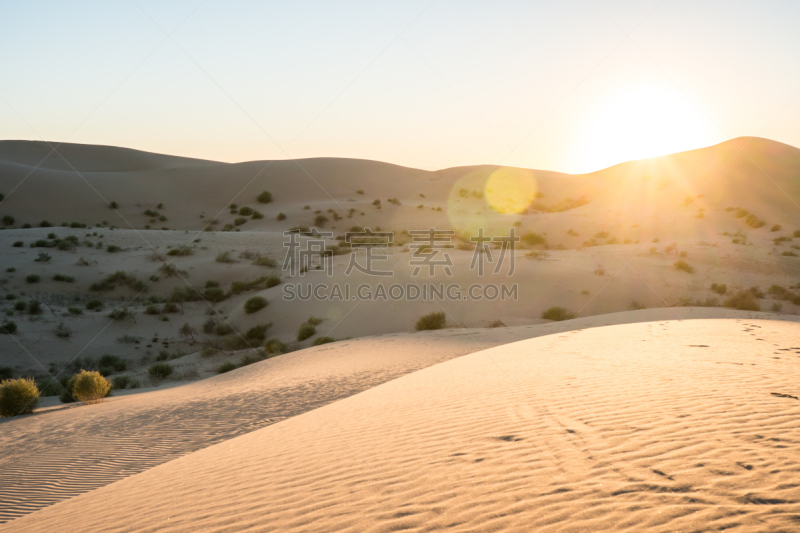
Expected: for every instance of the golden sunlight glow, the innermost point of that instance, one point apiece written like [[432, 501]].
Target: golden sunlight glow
[[642, 123], [510, 190]]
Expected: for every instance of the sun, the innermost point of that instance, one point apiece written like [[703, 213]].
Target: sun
[[641, 123]]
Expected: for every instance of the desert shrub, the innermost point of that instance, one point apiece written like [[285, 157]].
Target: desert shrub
[[32, 278], [34, 308], [6, 372], [95, 304], [160, 370], [224, 257], [120, 382], [171, 307], [108, 364], [257, 334], [152, 309], [43, 258], [120, 314], [539, 255], [62, 331], [182, 251], [89, 386], [306, 331], [74, 310], [254, 304], [214, 295], [8, 220], [683, 265], [532, 239], [636, 305], [227, 366], [265, 261], [776, 307], [18, 397], [756, 292], [208, 351], [280, 216], [789, 253], [257, 215], [274, 347], [223, 328], [11, 269], [62, 277], [169, 270], [272, 280], [320, 221], [719, 288], [18, 244], [20, 305], [265, 197], [235, 341], [322, 340], [209, 325], [744, 301], [431, 321], [558, 313], [8, 327], [246, 211], [776, 227], [600, 270], [239, 221], [112, 248]]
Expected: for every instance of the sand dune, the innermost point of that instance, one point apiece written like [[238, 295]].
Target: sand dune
[[663, 426]]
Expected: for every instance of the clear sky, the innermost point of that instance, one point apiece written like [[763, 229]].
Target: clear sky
[[542, 84]]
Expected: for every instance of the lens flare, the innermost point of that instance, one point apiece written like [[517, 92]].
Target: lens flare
[[510, 190]]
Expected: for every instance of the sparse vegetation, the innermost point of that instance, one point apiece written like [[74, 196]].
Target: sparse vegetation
[[62, 277], [744, 301], [32, 278], [8, 327], [776, 227], [558, 313], [265, 197], [322, 340], [431, 321], [227, 366], [95, 304]]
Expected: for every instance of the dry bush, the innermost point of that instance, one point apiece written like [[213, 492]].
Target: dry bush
[[558, 313], [431, 321]]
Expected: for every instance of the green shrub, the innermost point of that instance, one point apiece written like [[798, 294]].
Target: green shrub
[[280, 216], [263, 198], [152, 309], [109, 364], [246, 211], [20, 305], [43, 258], [89, 386], [8, 327], [249, 359], [34, 308], [256, 334], [314, 321], [62, 277], [32, 278], [171, 307], [113, 248], [75, 310], [744, 301], [214, 295], [160, 370], [120, 314], [532, 239], [254, 304], [322, 340], [558, 313], [95, 304], [18, 244], [272, 280], [274, 347], [120, 382], [680, 264], [227, 366], [431, 321], [223, 328], [238, 221], [257, 215], [265, 261], [306, 331], [18, 397], [8, 220], [719, 288]]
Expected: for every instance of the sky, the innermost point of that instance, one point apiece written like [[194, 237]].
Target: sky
[[567, 85]]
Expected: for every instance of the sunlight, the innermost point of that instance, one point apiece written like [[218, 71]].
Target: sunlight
[[642, 123]]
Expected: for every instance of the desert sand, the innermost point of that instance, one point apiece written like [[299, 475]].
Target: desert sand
[[652, 410], [661, 426]]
